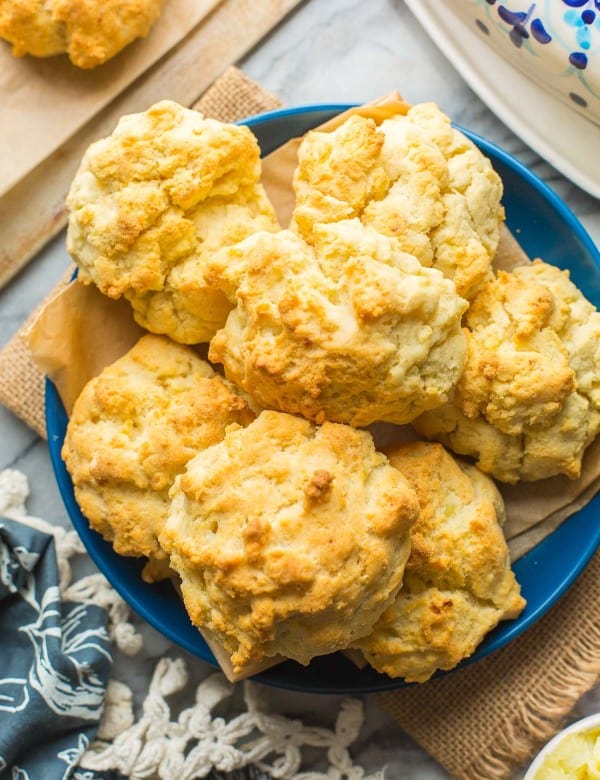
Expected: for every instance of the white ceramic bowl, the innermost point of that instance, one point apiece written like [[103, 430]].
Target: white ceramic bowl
[[579, 727], [556, 43]]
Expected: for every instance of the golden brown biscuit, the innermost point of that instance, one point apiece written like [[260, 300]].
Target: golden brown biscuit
[[290, 539], [153, 202], [352, 330], [89, 31], [191, 307], [414, 178], [458, 583], [528, 403], [133, 429]]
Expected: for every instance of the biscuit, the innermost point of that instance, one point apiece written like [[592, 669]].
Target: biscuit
[[152, 202], [290, 539], [88, 31], [457, 583], [191, 307], [528, 403], [133, 429], [350, 330], [414, 178]]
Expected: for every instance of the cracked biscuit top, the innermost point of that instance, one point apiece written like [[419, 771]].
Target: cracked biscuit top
[[457, 583], [528, 402], [152, 202], [414, 178], [350, 329], [89, 31], [290, 538], [133, 429]]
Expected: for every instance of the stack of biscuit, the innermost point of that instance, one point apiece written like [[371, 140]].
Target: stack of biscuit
[[254, 478]]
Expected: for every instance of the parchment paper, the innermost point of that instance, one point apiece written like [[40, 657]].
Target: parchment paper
[[80, 332], [45, 101]]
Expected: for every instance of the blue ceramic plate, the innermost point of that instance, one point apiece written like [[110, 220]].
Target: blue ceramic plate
[[545, 227]]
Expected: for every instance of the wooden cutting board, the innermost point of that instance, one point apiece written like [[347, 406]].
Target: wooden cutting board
[[52, 112], [44, 101]]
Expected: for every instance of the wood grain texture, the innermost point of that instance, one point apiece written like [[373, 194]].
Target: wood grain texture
[[33, 211]]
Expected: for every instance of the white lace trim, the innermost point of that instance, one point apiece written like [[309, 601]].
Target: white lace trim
[[195, 742], [165, 746]]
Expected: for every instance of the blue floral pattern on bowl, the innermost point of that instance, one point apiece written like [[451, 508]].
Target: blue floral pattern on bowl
[[554, 42]]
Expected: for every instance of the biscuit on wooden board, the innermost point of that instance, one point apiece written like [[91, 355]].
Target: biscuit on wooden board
[[90, 32]]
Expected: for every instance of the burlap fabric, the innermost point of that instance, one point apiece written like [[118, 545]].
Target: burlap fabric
[[21, 383], [482, 722], [234, 96]]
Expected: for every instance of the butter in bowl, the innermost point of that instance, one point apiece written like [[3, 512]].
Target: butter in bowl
[[573, 754]]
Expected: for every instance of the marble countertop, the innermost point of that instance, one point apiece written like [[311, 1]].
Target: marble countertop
[[334, 51]]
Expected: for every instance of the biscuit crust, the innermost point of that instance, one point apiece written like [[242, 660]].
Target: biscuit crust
[[528, 402], [132, 431], [152, 203], [414, 178], [349, 330], [457, 583], [290, 539], [90, 32]]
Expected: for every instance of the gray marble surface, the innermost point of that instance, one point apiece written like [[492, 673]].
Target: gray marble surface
[[326, 51]]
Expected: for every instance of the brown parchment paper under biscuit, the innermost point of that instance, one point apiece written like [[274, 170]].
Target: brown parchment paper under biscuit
[[80, 332]]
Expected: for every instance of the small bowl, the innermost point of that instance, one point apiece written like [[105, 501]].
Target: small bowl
[[555, 43], [579, 727]]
